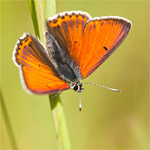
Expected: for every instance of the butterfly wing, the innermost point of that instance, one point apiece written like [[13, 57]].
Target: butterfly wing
[[36, 67], [67, 29], [100, 39], [88, 41]]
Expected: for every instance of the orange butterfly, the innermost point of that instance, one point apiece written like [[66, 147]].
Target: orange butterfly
[[76, 45]]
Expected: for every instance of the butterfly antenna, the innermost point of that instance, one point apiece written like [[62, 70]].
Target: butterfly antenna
[[80, 106], [115, 90]]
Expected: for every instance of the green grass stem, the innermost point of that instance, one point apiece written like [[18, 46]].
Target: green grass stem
[[8, 123], [60, 123]]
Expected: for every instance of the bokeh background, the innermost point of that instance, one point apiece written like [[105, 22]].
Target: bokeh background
[[109, 120]]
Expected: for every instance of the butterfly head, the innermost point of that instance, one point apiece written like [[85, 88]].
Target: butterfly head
[[78, 87]]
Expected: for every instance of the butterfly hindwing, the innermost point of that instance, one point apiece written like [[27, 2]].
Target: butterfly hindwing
[[36, 67]]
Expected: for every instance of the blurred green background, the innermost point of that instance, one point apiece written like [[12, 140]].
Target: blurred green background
[[109, 120]]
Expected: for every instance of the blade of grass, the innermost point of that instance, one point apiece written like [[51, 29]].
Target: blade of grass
[[8, 123], [34, 17], [43, 10], [60, 123]]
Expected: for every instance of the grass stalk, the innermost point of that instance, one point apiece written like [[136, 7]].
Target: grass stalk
[[8, 123], [60, 123], [40, 11]]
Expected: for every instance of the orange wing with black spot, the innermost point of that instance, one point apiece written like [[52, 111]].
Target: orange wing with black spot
[[101, 37], [36, 67], [88, 41]]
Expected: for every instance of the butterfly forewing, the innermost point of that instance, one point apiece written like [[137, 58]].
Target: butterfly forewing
[[67, 28]]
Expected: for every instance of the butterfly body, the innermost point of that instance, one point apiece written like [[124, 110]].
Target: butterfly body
[[66, 68], [76, 45]]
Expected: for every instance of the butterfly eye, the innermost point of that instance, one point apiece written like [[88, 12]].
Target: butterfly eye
[[75, 88]]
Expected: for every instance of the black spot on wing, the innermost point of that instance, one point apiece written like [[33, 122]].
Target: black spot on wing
[[105, 48], [26, 40], [55, 21], [77, 15], [20, 43], [58, 26]]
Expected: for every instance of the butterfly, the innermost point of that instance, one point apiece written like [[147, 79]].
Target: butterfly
[[76, 45]]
